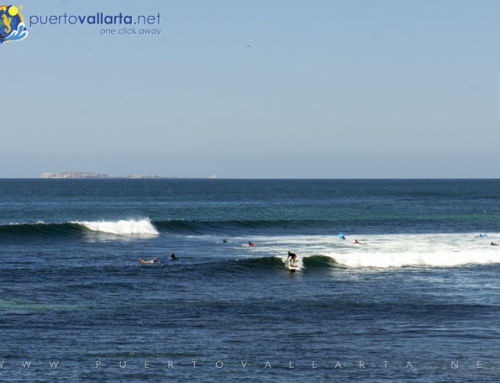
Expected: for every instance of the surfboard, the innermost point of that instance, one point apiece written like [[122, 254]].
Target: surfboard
[[147, 262]]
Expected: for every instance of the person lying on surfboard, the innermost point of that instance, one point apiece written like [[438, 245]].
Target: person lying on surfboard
[[291, 257], [251, 244], [174, 257], [154, 260]]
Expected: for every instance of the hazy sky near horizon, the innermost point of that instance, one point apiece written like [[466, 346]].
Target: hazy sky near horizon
[[334, 89]]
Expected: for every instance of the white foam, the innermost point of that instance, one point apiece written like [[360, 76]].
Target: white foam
[[122, 227], [385, 251], [299, 265]]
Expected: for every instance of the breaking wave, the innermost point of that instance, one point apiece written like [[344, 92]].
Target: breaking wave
[[121, 227], [76, 229]]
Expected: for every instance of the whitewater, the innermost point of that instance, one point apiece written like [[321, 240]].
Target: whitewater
[[121, 227], [385, 251]]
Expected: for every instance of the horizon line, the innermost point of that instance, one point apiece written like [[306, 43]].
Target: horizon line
[[254, 178]]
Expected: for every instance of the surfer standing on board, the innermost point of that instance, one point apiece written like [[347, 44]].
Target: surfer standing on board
[[291, 257]]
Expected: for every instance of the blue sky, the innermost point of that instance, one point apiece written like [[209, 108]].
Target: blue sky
[[328, 89]]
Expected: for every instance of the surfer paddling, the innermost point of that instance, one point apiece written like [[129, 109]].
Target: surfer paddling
[[154, 260]]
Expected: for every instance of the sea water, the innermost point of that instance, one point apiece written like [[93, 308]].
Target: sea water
[[418, 300]]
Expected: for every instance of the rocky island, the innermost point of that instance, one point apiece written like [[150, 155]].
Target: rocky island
[[93, 175], [73, 174]]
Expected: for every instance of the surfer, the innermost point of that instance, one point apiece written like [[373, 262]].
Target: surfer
[[356, 242], [493, 244], [291, 257], [343, 237], [173, 257], [224, 241], [251, 244], [154, 260]]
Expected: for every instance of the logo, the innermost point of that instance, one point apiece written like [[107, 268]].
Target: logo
[[12, 26]]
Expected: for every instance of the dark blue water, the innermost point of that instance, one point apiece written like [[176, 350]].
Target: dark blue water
[[423, 289]]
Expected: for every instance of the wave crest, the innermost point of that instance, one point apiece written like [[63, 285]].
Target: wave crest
[[121, 227], [78, 229]]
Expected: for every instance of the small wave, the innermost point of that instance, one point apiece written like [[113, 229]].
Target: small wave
[[197, 226], [261, 262], [319, 261], [279, 262], [40, 230], [380, 225]]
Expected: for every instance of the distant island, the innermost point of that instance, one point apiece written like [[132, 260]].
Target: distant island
[[92, 175]]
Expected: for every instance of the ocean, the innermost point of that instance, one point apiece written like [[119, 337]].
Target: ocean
[[417, 301]]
